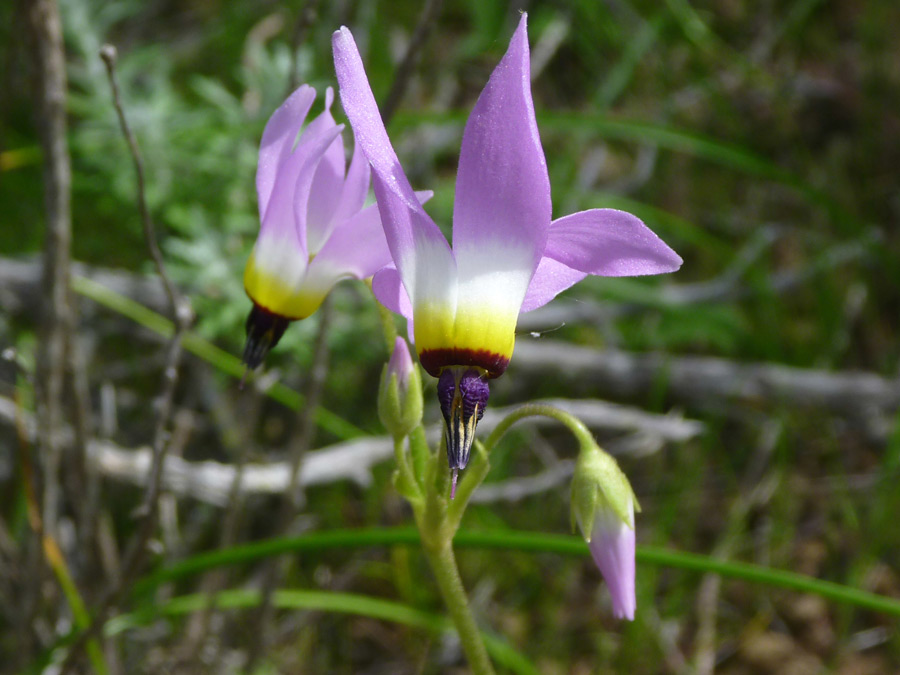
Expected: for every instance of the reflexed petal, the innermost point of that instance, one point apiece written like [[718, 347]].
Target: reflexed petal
[[502, 207], [550, 279], [357, 248], [278, 141], [419, 250], [609, 243], [286, 211], [388, 289], [613, 548], [356, 186], [327, 186], [277, 265]]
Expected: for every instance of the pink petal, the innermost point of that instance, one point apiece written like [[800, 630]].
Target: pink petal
[[411, 234], [609, 243], [388, 289], [327, 185], [550, 279], [502, 204], [286, 210], [356, 186], [357, 247], [613, 547], [278, 141]]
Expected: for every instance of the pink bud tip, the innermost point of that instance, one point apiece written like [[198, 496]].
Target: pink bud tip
[[454, 473]]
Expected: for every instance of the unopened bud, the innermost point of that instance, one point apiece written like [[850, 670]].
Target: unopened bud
[[400, 393], [603, 505]]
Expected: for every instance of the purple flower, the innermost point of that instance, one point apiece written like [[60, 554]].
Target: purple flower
[[507, 256], [314, 230]]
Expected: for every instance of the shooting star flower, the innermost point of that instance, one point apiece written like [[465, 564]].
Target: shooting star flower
[[507, 255], [314, 230]]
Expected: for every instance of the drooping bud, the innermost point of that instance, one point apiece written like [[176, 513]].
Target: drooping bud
[[264, 330], [603, 505], [463, 394], [400, 393]]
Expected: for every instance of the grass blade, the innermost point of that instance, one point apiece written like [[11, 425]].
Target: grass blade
[[532, 542], [323, 601], [224, 361]]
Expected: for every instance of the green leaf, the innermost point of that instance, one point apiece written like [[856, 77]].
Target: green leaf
[[323, 601], [533, 542]]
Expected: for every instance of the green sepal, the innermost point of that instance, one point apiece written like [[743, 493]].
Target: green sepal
[[599, 483], [400, 411]]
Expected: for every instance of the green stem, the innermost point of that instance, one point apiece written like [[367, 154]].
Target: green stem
[[443, 564], [79, 612], [575, 425], [408, 485], [418, 448], [474, 476]]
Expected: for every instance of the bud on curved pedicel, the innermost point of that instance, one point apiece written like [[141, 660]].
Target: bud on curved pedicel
[[400, 393], [603, 505]]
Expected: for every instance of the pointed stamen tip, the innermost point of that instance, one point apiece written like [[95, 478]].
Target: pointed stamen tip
[[454, 473]]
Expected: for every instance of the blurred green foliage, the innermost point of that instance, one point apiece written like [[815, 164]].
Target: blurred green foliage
[[761, 140]]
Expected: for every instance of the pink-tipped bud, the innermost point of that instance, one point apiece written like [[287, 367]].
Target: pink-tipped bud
[[603, 505], [612, 547], [400, 393]]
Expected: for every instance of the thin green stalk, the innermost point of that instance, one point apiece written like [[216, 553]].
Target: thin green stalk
[[323, 601], [443, 564], [407, 484], [575, 425], [532, 542], [474, 476], [418, 448], [224, 361], [79, 612]]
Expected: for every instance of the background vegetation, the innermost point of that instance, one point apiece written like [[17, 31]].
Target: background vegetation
[[760, 140]]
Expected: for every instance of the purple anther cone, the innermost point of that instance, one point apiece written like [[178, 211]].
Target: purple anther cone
[[463, 394]]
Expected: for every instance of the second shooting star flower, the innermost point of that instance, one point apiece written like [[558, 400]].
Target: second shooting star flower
[[314, 230], [507, 256]]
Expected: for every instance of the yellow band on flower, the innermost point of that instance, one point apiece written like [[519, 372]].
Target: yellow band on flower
[[273, 292], [481, 337]]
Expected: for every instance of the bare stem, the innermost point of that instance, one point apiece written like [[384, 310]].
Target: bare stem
[[45, 31], [182, 317]]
